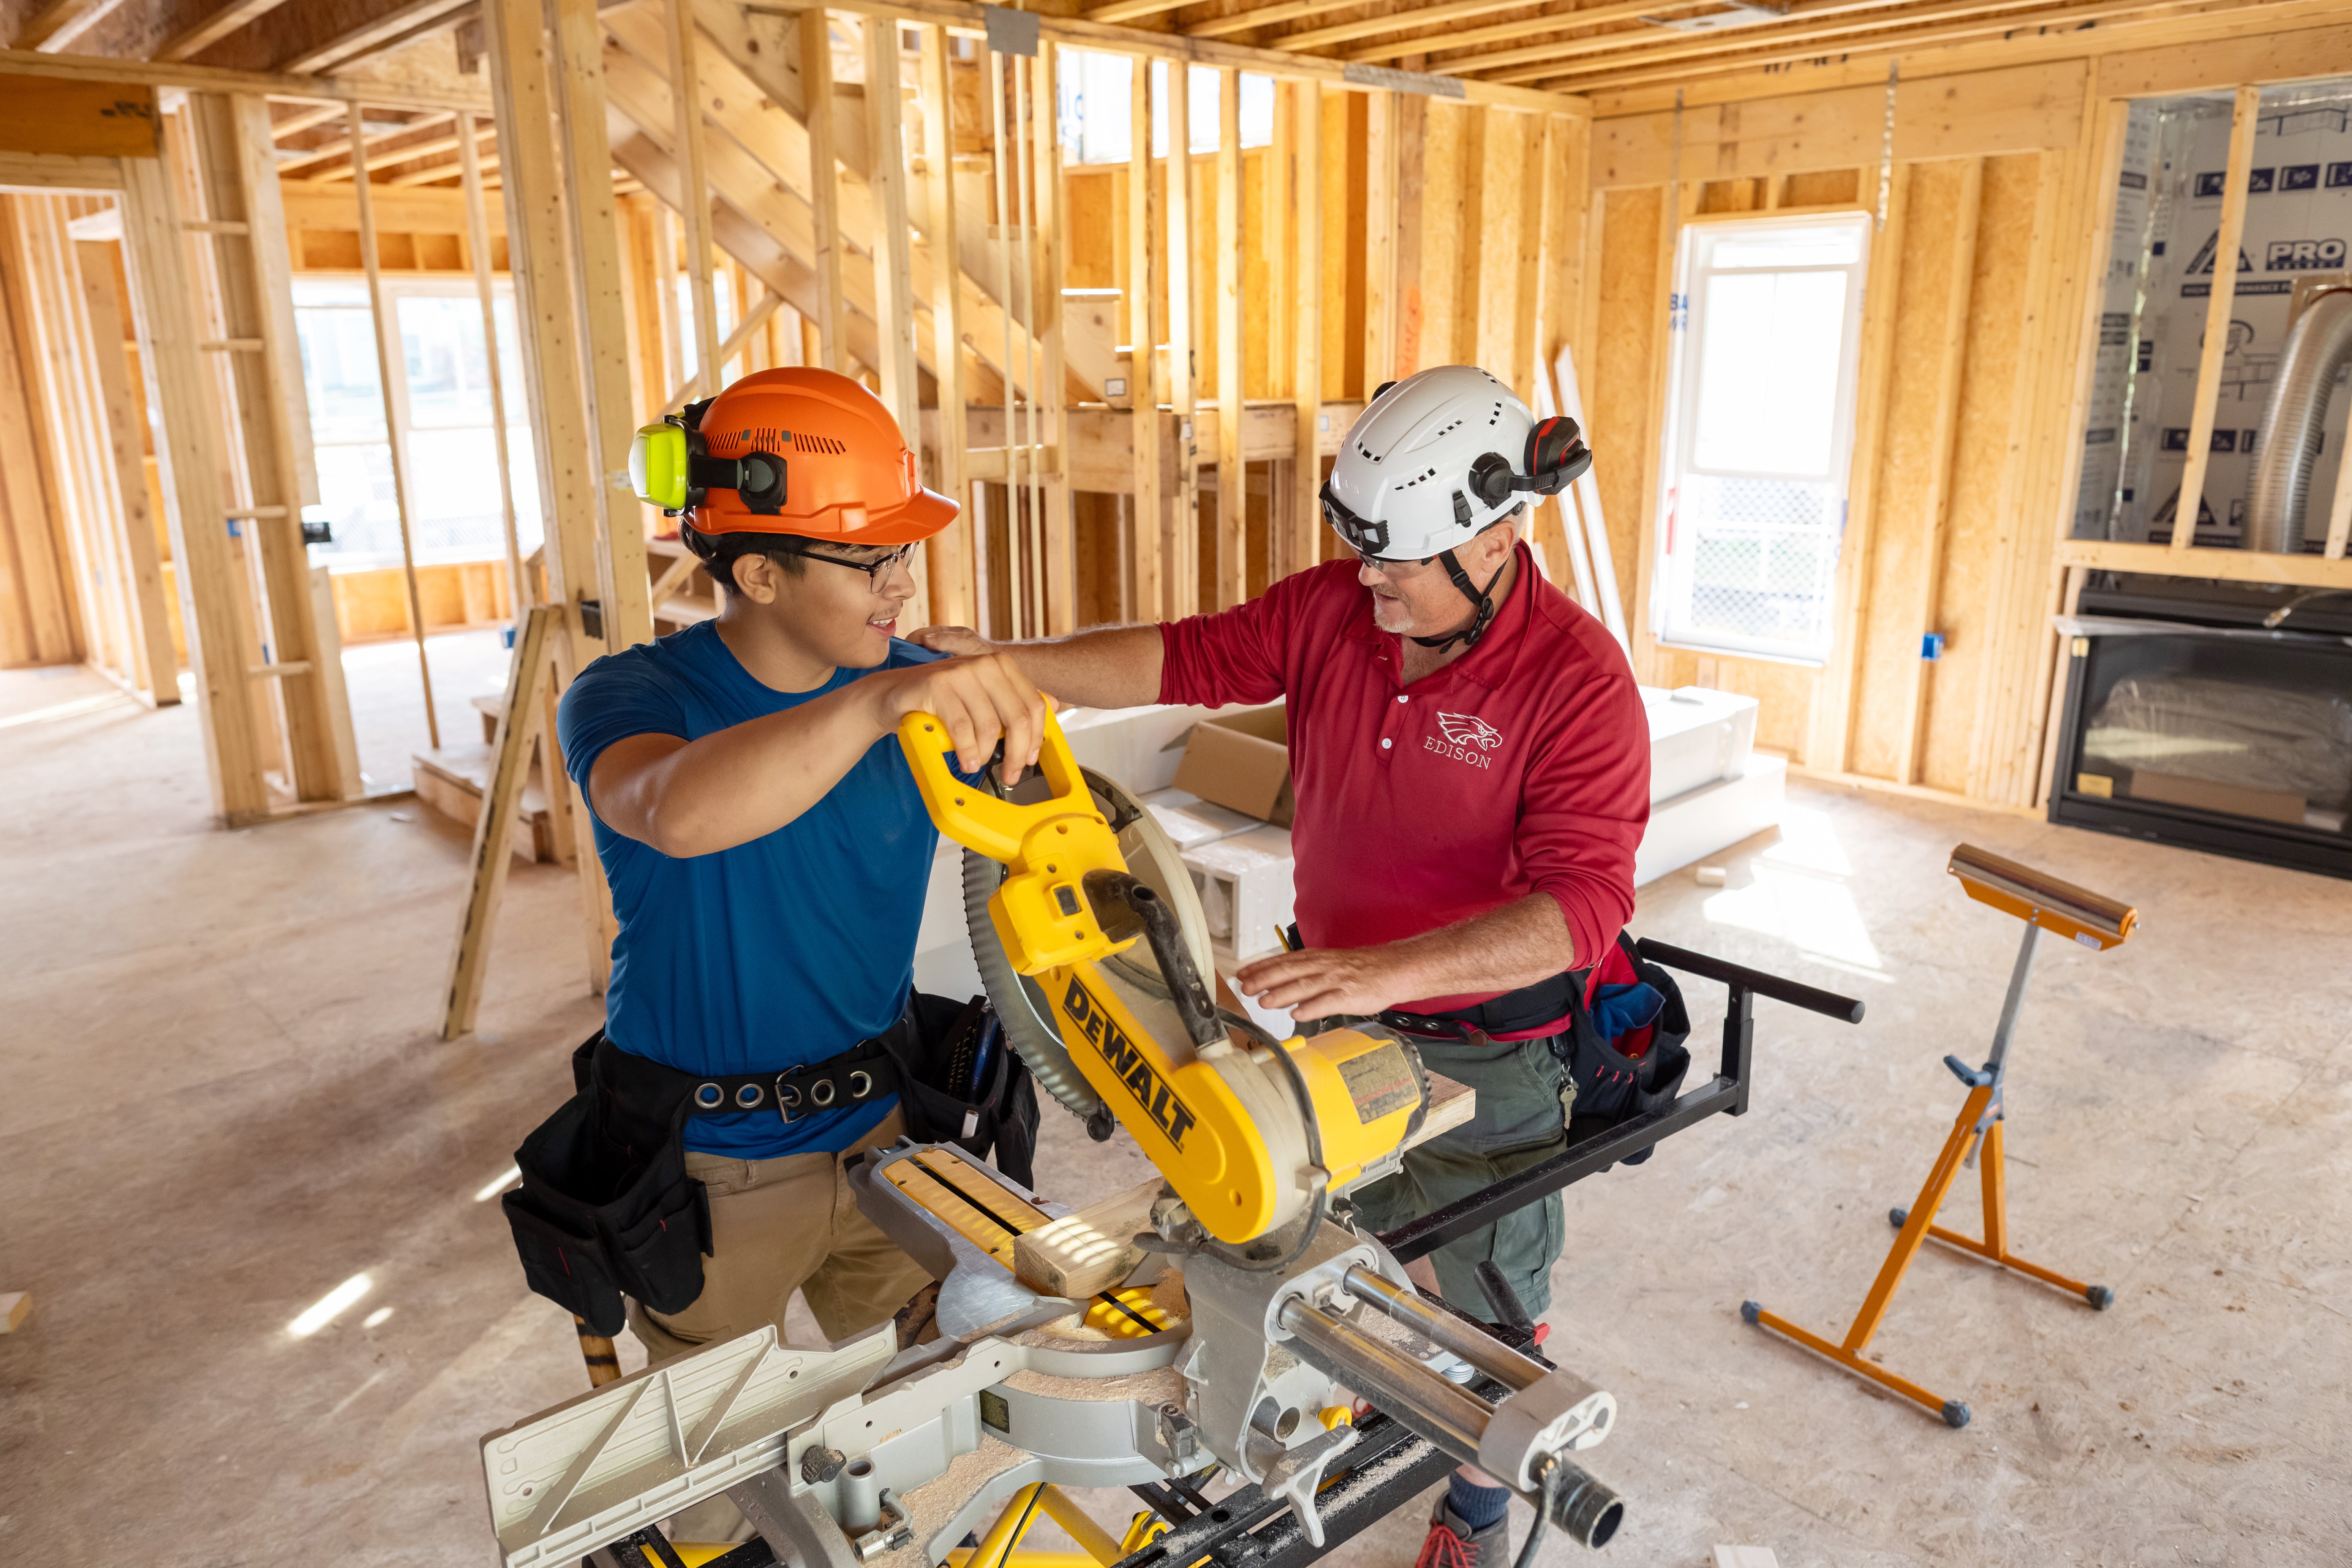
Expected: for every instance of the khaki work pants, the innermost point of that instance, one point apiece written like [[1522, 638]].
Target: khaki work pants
[[781, 1225]]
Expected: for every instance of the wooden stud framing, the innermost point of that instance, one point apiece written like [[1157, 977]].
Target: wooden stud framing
[[1934, 516], [1299, 548], [2245, 114], [1232, 580], [1380, 148], [1184, 535], [1832, 747], [1143, 378], [150, 627], [478, 249], [685, 98], [950, 549], [824, 189], [520, 718], [1061, 561], [538, 266], [387, 355], [179, 398]]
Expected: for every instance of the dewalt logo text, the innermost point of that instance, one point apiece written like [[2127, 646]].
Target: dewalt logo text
[[1150, 1091]]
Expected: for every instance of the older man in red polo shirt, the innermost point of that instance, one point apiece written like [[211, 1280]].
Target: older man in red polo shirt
[[1471, 764]]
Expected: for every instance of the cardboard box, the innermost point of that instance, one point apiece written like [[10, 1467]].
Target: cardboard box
[[1242, 761], [1247, 891]]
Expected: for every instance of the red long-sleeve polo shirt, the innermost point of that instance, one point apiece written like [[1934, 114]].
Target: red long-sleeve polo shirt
[[1522, 766]]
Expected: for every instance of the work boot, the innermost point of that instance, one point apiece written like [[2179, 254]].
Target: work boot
[[1450, 1543]]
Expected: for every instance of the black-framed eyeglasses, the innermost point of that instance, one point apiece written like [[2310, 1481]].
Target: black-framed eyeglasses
[[877, 570]]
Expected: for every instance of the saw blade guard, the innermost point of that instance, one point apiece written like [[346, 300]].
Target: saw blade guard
[[1021, 1002]]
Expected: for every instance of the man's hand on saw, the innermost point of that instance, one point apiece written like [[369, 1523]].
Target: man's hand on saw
[[980, 700], [1322, 981]]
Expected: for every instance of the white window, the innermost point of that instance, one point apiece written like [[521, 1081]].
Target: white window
[[1096, 91], [1766, 331], [441, 396]]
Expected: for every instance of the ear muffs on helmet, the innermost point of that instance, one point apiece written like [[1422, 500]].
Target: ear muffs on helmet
[[670, 467], [1556, 456]]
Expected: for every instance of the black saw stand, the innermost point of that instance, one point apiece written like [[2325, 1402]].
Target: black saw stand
[[1390, 1466]]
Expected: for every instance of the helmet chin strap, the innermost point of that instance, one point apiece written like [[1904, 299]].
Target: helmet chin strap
[[1468, 636]]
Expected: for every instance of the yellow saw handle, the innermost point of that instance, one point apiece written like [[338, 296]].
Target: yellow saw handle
[[1041, 912], [1209, 1117]]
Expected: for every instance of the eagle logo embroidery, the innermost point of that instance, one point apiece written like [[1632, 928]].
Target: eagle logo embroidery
[[1469, 730]]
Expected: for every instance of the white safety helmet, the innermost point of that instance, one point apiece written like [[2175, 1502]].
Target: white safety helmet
[[1435, 459]]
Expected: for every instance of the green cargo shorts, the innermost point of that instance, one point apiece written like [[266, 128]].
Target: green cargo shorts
[[1521, 1120]]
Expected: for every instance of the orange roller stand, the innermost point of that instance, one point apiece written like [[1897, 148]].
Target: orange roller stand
[[2043, 904]]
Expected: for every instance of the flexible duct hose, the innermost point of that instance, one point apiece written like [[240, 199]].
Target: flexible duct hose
[[2316, 352]]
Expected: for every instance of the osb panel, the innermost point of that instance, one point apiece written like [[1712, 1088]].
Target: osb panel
[[1343, 263], [1446, 201], [1616, 384], [1906, 471], [1504, 222], [1088, 222], [1974, 529], [1413, 199], [1257, 282], [1823, 187]]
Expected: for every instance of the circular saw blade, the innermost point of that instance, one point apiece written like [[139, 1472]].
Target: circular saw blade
[[1021, 1002]]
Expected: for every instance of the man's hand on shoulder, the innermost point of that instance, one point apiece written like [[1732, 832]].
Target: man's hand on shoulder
[[962, 642], [981, 699], [1320, 981]]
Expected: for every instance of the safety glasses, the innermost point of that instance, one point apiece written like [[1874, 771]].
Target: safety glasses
[[1367, 538], [877, 570]]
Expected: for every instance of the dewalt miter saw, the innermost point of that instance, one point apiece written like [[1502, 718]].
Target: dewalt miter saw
[[1235, 1325]]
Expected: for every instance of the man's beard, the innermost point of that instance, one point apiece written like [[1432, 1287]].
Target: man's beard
[[1391, 614]]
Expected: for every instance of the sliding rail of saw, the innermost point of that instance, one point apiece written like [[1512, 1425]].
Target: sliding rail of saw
[[859, 1454]]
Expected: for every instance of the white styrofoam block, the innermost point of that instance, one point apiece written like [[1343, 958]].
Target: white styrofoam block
[[1697, 736], [1188, 820], [1276, 1021], [1713, 816], [1247, 890]]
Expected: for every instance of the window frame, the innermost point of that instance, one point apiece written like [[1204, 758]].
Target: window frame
[[397, 414], [1670, 592]]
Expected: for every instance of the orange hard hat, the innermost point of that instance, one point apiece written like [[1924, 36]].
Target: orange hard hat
[[804, 452]]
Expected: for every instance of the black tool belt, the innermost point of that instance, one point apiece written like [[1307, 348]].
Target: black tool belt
[[868, 1071], [1547, 1001]]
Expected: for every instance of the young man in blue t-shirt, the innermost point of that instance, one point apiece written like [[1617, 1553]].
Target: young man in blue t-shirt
[[767, 849]]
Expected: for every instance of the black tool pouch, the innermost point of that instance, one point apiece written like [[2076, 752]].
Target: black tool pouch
[[1612, 1088], [606, 1209], [993, 1117]]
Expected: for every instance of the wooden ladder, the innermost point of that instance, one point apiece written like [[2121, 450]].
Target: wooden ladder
[[281, 723]]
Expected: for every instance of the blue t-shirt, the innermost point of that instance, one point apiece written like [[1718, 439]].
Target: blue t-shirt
[[775, 954]]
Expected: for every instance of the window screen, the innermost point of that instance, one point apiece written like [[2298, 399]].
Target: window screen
[[1764, 335]]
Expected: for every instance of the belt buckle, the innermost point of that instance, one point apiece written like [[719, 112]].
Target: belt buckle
[[789, 1098]]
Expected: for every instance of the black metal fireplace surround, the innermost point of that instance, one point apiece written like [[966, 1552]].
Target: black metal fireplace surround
[[2189, 721]]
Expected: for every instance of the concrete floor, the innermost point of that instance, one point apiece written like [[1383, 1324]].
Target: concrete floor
[[224, 1102]]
